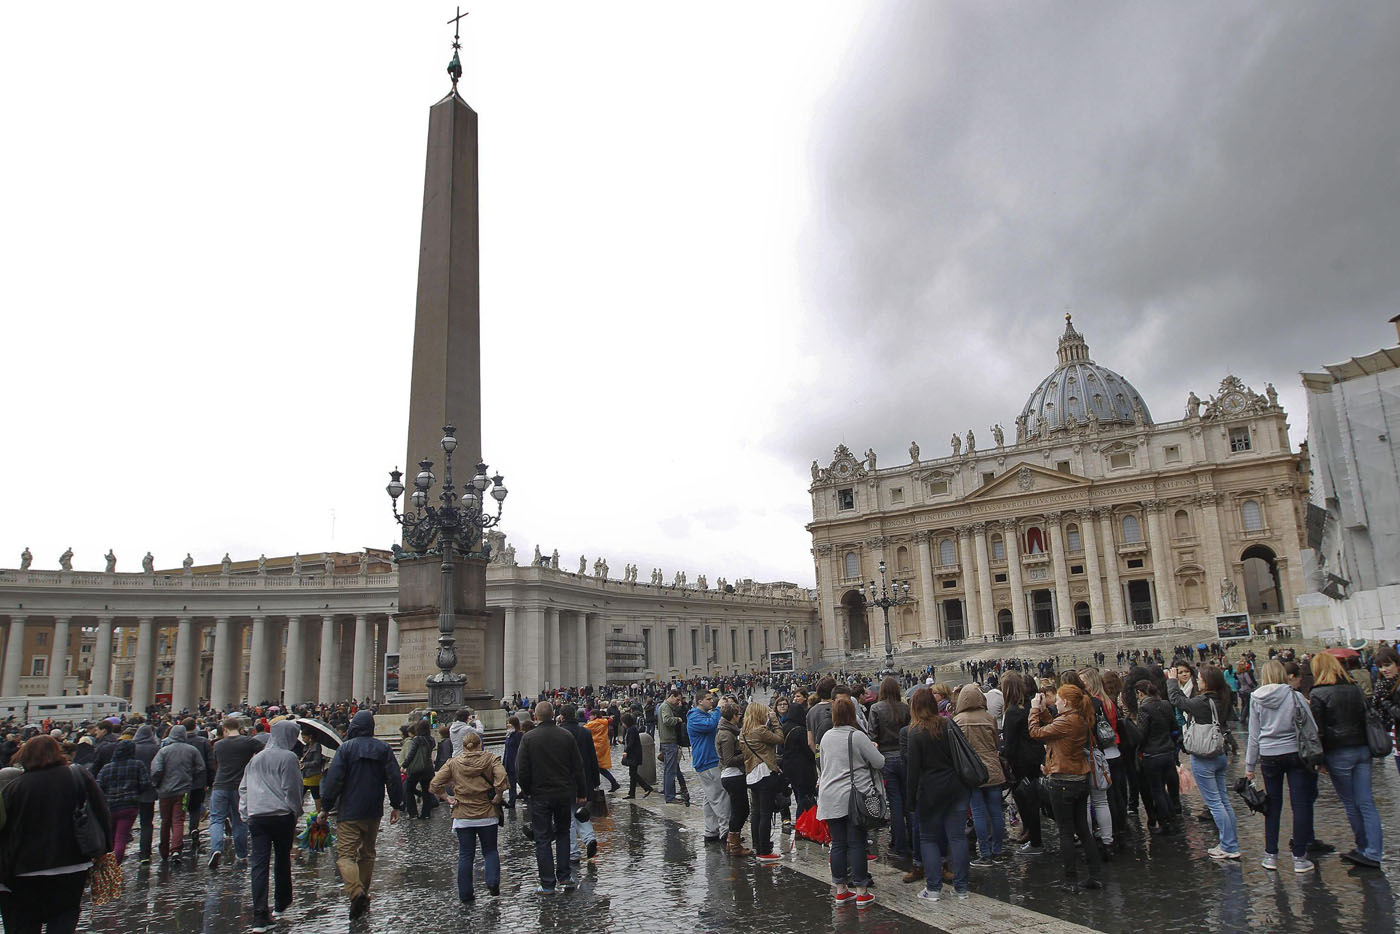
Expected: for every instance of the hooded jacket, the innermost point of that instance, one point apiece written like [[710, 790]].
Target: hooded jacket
[[457, 732], [701, 727], [361, 772], [178, 767], [1271, 730], [124, 779], [980, 728], [145, 753], [601, 728], [476, 779], [271, 785], [727, 746]]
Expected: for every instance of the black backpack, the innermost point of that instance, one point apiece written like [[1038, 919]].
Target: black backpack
[[682, 734]]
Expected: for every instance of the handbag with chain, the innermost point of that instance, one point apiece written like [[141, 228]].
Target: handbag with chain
[[868, 808]]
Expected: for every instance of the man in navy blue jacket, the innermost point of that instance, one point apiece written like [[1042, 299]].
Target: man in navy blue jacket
[[362, 771]]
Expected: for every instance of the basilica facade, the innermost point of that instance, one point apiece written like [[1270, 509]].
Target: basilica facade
[[1095, 519]]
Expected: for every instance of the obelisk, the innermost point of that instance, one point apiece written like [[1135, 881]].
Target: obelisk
[[446, 389]]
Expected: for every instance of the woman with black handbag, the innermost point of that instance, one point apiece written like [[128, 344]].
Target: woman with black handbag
[[1339, 707], [45, 850], [847, 758], [760, 738], [1025, 756], [938, 796]]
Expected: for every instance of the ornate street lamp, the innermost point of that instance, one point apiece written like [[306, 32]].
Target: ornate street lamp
[[455, 526], [885, 597]]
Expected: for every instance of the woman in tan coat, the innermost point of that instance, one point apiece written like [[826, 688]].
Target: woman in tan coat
[[475, 784], [759, 739], [980, 728]]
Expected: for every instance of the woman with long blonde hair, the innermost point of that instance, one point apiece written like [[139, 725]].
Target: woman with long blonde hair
[[759, 737], [1066, 737]]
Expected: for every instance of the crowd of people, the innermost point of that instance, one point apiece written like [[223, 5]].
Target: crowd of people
[[936, 772]]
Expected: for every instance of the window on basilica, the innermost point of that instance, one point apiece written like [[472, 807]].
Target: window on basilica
[[937, 487], [1062, 466], [897, 494], [1120, 460], [946, 553], [1172, 453], [998, 548], [846, 499], [852, 564], [1076, 569], [1239, 440], [999, 578], [1073, 539], [1252, 516], [1132, 530], [988, 477], [1035, 541]]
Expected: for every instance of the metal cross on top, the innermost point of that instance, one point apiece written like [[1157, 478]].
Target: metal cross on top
[[454, 67]]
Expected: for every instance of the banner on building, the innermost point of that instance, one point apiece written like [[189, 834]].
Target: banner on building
[[1232, 625], [779, 662], [391, 674]]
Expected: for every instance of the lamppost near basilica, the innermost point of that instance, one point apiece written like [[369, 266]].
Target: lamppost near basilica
[[456, 526], [884, 597]]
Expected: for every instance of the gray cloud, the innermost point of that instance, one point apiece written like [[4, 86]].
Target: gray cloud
[[1209, 188]]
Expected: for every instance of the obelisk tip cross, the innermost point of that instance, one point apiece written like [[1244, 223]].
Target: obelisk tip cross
[[454, 67]]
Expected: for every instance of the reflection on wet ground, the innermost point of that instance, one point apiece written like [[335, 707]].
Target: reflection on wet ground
[[653, 875]]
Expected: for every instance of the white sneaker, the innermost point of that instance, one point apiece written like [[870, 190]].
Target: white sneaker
[[1217, 852], [1270, 861], [1302, 865], [929, 895]]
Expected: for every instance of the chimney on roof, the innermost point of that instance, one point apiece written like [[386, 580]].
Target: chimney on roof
[[1396, 321]]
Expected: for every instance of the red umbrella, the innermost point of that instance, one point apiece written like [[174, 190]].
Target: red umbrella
[[1343, 652]]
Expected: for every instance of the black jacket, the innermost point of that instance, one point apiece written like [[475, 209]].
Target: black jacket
[[361, 772], [886, 720], [932, 781], [1157, 722], [38, 832], [588, 753], [1025, 755], [550, 764], [1340, 712]]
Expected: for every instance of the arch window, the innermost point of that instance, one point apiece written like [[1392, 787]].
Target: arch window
[[852, 564], [1182, 519], [1035, 541], [998, 548], [1132, 530], [1252, 516], [1073, 539], [947, 555], [901, 559]]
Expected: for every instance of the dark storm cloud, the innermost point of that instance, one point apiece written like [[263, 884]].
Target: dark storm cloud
[[1208, 187]]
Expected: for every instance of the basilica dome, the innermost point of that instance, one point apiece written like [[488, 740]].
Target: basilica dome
[[1079, 392]]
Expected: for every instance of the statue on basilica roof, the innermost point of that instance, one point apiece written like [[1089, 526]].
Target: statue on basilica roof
[[957, 444], [914, 452], [998, 435], [111, 558], [971, 442], [1193, 405], [26, 558]]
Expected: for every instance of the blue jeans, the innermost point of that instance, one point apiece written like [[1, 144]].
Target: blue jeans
[[549, 818], [1350, 771], [223, 802], [894, 789], [943, 835], [1300, 799], [989, 822], [671, 770], [580, 832], [848, 846], [466, 858], [1210, 777]]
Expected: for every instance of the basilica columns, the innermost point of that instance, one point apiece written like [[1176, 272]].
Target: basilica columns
[[325, 680], [183, 693], [1110, 566], [928, 602], [1087, 534], [363, 666], [984, 579], [1011, 536], [1163, 564], [143, 675], [972, 603], [1064, 608], [1216, 567], [14, 656], [102, 657], [58, 657]]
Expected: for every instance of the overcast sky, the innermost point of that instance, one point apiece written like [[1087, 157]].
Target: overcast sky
[[716, 241]]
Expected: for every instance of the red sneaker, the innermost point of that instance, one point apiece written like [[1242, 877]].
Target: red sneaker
[[865, 901], [769, 858], [844, 898]]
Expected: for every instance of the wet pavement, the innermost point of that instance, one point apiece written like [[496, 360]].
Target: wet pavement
[[653, 873]]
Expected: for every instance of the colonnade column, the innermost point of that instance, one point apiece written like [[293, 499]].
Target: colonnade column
[[596, 635], [143, 675], [182, 689], [551, 642], [1011, 537], [510, 675], [1063, 605], [292, 689], [391, 640], [360, 668], [330, 658], [257, 662], [984, 579], [530, 674], [102, 657], [580, 649], [58, 655], [928, 600], [1163, 564], [14, 656], [1091, 565], [1110, 565], [221, 689], [972, 604]]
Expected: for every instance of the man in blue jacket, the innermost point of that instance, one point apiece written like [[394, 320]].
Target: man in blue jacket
[[701, 724], [363, 769]]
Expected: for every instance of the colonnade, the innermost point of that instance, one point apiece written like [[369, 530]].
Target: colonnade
[[565, 647]]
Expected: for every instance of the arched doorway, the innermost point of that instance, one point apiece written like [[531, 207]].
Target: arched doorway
[[1005, 625], [1081, 619], [953, 628], [1263, 593], [1043, 606], [857, 623]]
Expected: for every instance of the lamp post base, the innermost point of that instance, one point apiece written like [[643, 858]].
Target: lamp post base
[[447, 691]]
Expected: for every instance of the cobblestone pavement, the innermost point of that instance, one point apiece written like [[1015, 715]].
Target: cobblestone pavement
[[653, 873]]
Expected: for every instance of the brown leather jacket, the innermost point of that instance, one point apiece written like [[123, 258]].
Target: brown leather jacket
[[476, 779], [763, 744], [1065, 738], [980, 728]]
